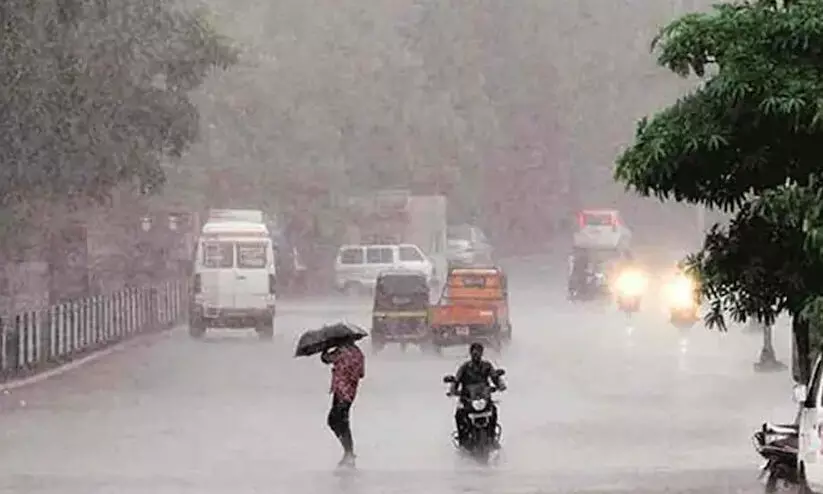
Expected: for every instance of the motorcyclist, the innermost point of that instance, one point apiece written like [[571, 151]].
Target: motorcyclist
[[579, 271], [473, 372]]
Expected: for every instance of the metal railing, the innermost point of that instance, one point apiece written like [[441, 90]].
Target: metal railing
[[33, 341]]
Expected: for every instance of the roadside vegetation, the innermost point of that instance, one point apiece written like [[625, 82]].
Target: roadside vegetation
[[95, 97], [749, 142]]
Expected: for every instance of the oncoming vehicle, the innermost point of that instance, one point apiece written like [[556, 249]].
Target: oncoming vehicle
[[234, 279], [591, 272], [479, 407], [629, 287], [357, 266], [681, 300], [400, 313], [474, 306], [601, 229]]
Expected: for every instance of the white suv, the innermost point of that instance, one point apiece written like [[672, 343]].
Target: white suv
[[357, 266]]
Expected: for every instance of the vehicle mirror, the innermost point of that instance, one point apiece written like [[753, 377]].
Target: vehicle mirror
[[500, 372], [799, 393], [448, 379]]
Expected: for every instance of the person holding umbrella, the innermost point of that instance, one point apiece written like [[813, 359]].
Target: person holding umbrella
[[337, 347]]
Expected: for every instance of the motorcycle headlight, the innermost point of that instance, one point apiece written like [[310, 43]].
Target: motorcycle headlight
[[631, 283], [680, 293], [479, 405]]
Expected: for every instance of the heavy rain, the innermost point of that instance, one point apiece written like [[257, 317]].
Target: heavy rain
[[241, 240]]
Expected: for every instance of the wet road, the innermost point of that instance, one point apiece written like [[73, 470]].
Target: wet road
[[595, 405]]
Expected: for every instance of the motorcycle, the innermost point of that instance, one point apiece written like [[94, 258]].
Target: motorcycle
[[478, 401], [682, 302], [777, 444], [629, 287], [595, 286]]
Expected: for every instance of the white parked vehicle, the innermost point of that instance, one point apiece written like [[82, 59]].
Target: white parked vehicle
[[357, 266], [234, 279], [810, 441]]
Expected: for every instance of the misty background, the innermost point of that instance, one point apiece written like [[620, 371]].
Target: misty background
[[515, 110]]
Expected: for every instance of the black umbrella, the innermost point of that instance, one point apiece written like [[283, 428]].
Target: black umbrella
[[330, 336]]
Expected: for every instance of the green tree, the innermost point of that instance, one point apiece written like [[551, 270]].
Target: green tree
[[747, 141], [95, 95]]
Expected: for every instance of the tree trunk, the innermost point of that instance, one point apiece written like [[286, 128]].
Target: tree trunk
[[768, 360], [801, 368]]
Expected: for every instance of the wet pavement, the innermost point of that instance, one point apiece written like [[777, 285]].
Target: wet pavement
[[596, 403]]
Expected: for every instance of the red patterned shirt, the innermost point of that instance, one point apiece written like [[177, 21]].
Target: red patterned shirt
[[349, 368]]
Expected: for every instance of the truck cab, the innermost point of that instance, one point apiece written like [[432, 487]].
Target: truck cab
[[601, 229]]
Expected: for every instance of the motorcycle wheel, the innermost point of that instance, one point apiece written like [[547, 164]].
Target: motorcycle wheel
[[482, 447]]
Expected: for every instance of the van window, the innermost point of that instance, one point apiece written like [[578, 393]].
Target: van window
[[251, 255], [379, 255], [351, 256], [410, 254], [218, 255]]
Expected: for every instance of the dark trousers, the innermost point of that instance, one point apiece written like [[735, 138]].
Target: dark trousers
[[461, 420], [339, 423]]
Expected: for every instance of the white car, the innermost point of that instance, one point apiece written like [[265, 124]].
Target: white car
[[357, 266], [468, 246]]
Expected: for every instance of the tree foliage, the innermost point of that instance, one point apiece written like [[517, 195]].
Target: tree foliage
[[748, 140], [95, 94]]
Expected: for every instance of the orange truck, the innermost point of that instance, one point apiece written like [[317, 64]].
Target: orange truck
[[474, 307]]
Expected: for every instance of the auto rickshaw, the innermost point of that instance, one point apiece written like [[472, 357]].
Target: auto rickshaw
[[474, 306], [400, 313]]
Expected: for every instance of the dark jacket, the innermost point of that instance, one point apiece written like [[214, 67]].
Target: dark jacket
[[470, 373]]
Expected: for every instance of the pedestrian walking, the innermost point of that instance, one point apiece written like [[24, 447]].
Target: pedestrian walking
[[348, 368]]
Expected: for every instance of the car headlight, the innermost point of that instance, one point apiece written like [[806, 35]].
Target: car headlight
[[479, 405]]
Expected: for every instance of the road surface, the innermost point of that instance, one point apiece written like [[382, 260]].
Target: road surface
[[596, 404]]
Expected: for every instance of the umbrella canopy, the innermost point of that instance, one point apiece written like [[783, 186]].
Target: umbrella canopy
[[330, 336]]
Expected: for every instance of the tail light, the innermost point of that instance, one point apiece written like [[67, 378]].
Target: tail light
[[581, 220], [198, 284], [272, 284]]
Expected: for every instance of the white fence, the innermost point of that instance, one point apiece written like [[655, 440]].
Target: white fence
[[36, 340]]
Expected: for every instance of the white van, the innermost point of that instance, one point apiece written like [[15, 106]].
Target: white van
[[234, 279], [357, 266]]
